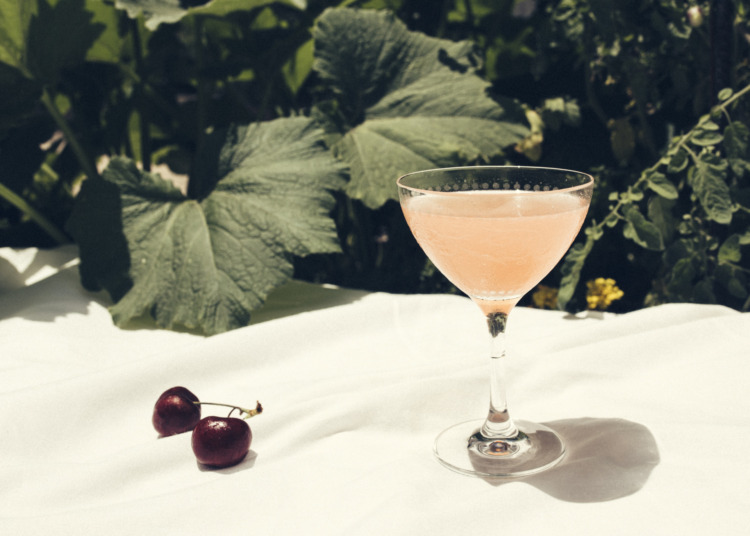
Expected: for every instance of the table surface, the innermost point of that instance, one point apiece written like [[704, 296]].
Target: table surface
[[653, 406]]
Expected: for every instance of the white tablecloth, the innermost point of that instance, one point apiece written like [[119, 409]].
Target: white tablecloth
[[654, 406]]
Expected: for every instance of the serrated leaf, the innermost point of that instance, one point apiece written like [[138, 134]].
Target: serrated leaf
[[51, 45], [109, 44], [36, 36], [641, 231], [414, 98], [737, 146], [707, 181], [661, 185], [15, 16], [207, 263], [156, 12]]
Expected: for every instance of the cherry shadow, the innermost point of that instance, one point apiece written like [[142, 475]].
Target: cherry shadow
[[606, 459]]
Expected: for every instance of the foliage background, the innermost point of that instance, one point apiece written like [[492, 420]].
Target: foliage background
[[629, 91]]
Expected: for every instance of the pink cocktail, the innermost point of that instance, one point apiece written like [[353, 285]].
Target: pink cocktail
[[495, 232]]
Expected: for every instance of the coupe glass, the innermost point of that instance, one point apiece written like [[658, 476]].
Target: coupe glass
[[495, 232]]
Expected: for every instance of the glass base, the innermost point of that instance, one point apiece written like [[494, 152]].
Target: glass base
[[535, 449]]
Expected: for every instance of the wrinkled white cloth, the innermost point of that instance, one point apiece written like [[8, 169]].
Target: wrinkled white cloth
[[654, 407]]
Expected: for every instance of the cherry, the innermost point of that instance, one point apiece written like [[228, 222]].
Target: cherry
[[223, 441], [177, 410]]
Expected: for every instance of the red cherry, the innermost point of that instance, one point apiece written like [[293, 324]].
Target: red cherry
[[221, 441], [176, 411]]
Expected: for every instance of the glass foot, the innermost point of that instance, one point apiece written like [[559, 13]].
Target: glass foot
[[535, 449]]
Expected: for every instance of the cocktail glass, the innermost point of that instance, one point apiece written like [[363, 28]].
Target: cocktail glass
[[495, 232]]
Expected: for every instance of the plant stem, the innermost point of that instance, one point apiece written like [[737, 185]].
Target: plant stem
[[143, 124], [83, 159], [21, 204], [194, 189], [248, 412]]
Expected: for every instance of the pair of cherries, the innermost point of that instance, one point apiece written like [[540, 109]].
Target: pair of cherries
[[217, 441]]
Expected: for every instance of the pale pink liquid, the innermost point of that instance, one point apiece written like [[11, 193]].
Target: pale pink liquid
[[497, 245]]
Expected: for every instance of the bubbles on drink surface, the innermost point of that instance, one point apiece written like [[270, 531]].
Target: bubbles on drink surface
[[490, 186]]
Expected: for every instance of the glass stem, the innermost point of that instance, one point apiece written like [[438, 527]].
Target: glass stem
[[498, 424]]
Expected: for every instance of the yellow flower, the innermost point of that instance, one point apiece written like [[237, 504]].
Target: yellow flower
[[545, 297], [601, 293]]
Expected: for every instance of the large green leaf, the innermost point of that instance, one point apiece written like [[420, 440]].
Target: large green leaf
[[409, 101], [52, 46], [157, 12], [15, 16], [109, 45], [36, 36], [207, 263]]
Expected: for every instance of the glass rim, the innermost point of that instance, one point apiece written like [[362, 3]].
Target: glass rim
[[589, 183]]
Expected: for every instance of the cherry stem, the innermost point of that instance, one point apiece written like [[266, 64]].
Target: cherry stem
[[247, 412]]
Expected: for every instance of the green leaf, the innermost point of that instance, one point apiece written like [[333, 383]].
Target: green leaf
[[36, 37], [571, 268], [641, 231], [157, 12], [207, 263], [730, 250], [706, 137], [558, 111], [733, 280], [298, 68], [51, 45], [660, 213], [661, 185], [15, 16], [680, 280], [725, 93], [410, 101], [678, 161], [703, 292], [707, 181], [737, 146], [109, 44]]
